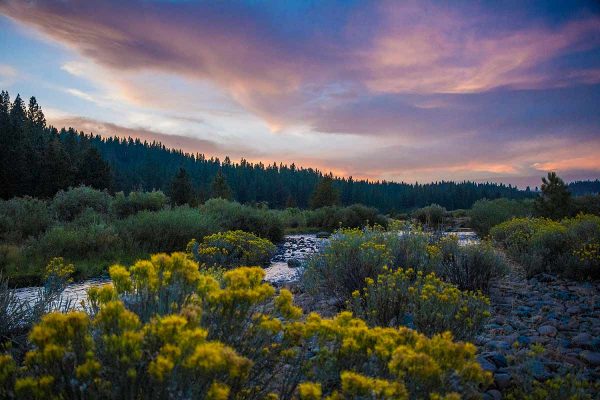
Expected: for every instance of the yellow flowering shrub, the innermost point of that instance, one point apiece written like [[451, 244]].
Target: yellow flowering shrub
[[231, 249], [235, 337], [423, 302], [570, 247]]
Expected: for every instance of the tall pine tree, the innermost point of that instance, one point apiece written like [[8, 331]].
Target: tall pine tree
[[325, 194], [220, 188], [182, 191]]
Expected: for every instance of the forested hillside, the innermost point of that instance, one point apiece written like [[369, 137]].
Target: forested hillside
[[582, 188], [39, 160]]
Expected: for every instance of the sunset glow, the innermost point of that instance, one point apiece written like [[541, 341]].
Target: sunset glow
[[400, 91]]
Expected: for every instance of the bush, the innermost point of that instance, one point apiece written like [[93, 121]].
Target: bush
[[67, 205], [165, 230], [431, 216], [487, 213], [76, 242], [24, 217], [232, 339], [123, 206], [231, 216], [232, 249], [351, 256], [412, 248], [354, 216], [589, 204], [422, 302], [569, 247], [470, 267]]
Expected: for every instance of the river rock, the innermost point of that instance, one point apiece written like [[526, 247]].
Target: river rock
[[591, 357], [583, 340], [502, 380], [547, 330], [294, 263]]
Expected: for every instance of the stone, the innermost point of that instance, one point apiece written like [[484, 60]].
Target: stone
[[591, 357], [494, 394], [498, 345], [502, 380], [498, 359], [486, 364], [573, 310], [547, 330], [583, 340]]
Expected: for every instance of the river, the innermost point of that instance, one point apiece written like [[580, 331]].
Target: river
[[298, 247]]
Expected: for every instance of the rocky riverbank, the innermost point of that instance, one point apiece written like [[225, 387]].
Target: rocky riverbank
[[541, 328]]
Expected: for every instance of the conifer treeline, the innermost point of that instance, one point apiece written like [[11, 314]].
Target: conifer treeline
[[38, 160]]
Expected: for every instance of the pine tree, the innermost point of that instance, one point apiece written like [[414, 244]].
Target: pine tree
[[35, 114], [18, 115], [94, 171], [291, 202], [220, 188], [325, 194], [182, 191], [555, 200]]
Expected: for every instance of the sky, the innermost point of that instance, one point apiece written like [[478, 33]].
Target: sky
[[395, 90]]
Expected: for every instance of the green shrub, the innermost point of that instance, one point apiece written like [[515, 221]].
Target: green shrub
[[589, 204], [293, 218], [411, 248], [125, 205], [351, 256], [23, 217], [67, 205], [470, 267], [76, 242], [231, 215], [570, 247], [431, 216], [487, 213], [423, 302], [232, 249], [354, 216], [166, 230]]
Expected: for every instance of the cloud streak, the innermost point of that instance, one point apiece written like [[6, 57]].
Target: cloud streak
[[460, 88]]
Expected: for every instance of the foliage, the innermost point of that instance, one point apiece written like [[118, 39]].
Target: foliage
[[487, 213], [123, 205], [69, 204], [220, 188], [351, 256], [168, 330], [76, 242], [325, 194], [354, 216], [555, 199], [182, 191], [17, 316], [470, 267], [234, 216], [232, 249], [431, 216], [423, 302], [167, 229], [22, 218], [354, 255], [569, 247], [589, 204]]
